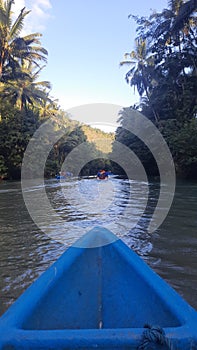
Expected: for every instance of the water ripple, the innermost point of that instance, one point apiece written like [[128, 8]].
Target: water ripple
[[25, 251]]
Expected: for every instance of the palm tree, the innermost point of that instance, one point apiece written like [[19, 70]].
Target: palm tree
[[141, 74], [26, 90], [137, 75], [13, 48]]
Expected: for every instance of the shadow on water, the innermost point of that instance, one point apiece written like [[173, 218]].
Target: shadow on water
[[124, 207], [174, 253]]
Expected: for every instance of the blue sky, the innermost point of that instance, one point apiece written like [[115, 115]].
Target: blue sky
[[86, 40]]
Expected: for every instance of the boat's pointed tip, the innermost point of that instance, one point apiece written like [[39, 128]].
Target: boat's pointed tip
[[98, 236], [100, 230]]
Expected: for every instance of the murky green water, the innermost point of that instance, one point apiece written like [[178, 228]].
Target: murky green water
[[25, 251]]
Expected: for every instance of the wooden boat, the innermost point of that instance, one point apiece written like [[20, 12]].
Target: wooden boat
[[99, 294]]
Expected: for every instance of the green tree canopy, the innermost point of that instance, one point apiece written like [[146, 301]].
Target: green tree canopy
[[164, 71]]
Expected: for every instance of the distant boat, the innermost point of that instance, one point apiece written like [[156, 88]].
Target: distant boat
[[99, 295], [103, 175], [64, 175]]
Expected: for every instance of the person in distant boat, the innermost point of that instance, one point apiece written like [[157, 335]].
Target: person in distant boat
[[61, 175], [102, 175]]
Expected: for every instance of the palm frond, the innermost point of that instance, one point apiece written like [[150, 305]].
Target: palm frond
[[32, 36], [3, 17], [8, 6], [37, 49], [127, 63], [44, 83], [33, 57], [35, 74], [18, 24]]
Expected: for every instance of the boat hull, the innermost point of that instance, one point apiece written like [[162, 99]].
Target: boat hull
[[98, 294]]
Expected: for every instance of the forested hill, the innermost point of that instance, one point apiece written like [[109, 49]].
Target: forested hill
[[102, 140]]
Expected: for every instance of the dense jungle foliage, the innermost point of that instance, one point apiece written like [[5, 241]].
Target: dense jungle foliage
[[163, 69]]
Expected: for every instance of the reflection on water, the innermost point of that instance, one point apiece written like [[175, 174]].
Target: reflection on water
[[82, 205], [125, 207]]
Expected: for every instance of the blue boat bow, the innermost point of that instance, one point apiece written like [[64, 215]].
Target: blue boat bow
[[98, 294]]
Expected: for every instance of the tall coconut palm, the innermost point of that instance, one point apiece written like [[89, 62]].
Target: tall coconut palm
[[137, 59], [141, 74], [13, 48], [26, 89]]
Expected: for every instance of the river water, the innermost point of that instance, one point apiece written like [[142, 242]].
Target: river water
[[80, 204]]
